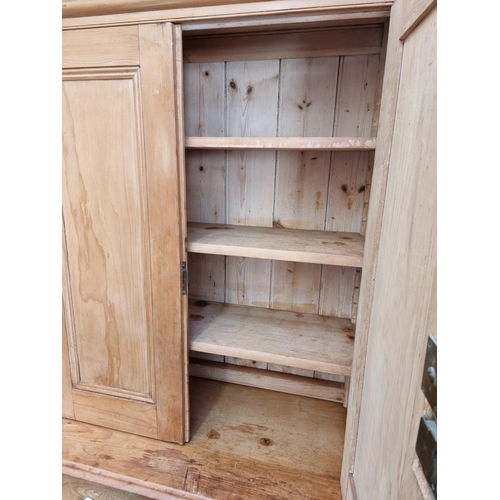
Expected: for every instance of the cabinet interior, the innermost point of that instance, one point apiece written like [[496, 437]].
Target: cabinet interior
[[280, 133]]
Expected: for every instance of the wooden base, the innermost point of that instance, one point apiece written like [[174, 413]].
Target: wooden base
[[245, 443]]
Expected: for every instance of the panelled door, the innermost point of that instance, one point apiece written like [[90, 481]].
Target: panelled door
[[124, 346]]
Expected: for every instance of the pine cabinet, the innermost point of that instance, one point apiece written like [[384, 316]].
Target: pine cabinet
[[249, 200]]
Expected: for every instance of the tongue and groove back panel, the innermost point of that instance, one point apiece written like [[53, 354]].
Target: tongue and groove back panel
[[327, 96]]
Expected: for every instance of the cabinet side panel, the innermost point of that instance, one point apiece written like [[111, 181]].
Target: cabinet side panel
[[107, 232], [403, 297]]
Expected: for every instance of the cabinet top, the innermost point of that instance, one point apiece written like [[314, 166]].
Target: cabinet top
[[80, 13]]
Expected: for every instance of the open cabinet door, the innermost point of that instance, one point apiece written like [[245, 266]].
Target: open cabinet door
[[124, 345], [403, 312]]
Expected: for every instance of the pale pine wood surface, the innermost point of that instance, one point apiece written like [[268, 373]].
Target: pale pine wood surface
[[74, 8], [349, 173], [120, 179], [252, 103], [282, 142], [307, 98], [341, 249], [414, 12], [245, 443], [291, 21], [67, 389], [117, 46], [75, 489], [301, 193], [167, 234], [107, 254], [404, 282], [205, 172], [265, 379], [182, 203], [291, 339], [212, 10], [116, 413], [373, 227], [340, 41]]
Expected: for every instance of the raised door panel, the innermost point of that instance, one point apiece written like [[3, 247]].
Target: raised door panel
[[123, 231]]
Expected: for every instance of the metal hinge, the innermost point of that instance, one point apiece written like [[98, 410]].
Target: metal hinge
[[427, 434], [185, 278]]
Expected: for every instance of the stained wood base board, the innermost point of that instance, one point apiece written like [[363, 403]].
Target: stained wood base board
[[245, 443]]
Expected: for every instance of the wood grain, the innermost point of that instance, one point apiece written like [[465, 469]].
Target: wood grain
[[167, 234], [100, 47], [252, 101], [356, 98], [292, 339], [67, 388], [75, 489], [414, 12], [341, 249], [373, 228], [271, 380], [117, 9], [296, 286], [204, 92], [182, 202], [75, 8], [324, 43], [284, 21], [115, 413], [225, 458], [307, 106], [107, 232], [404, 281], [287, 143]]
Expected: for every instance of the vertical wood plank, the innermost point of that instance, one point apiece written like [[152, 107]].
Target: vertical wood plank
[[205, 171], [296, 287], [156, 44], [307, 108], [338, 291], [358, 89], [252, 96], [252, 100], [207, 277], [247, 281], [357, 97]]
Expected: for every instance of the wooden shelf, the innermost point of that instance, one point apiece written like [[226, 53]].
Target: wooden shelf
[[292, 339], [284, 143], [267, 379], [295, 245]]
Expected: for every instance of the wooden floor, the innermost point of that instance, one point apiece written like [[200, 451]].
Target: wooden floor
[[246, 443]]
